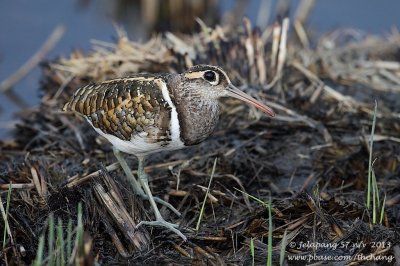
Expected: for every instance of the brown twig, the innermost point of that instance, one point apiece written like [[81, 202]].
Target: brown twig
[[304, 10], [17, 186]]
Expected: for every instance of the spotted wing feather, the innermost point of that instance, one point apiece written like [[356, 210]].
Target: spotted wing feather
[[125, 107]]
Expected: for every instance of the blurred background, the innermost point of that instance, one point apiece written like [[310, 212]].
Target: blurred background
[[25, 25]]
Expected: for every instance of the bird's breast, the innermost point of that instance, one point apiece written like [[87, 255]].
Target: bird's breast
[[197, 121]]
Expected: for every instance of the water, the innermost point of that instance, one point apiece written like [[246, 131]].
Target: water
[[25, 25]]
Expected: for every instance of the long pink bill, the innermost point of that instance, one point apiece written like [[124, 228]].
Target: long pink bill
[[238, 94]]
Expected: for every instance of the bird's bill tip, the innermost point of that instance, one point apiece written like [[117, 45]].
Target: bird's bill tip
[[238, 94]]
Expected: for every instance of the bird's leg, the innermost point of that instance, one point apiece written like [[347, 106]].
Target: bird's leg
[[137, 188], [143, 179]]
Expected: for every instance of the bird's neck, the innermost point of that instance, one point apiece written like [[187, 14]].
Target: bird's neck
[[197, 116]]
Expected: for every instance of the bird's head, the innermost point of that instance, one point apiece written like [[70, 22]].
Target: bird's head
[[211, 83]]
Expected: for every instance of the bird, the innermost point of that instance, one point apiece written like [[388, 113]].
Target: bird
[[144, 114]]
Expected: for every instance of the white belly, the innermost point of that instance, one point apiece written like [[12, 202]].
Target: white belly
[[138, 145]]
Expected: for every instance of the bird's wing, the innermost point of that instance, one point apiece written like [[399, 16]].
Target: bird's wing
[[125, 107]]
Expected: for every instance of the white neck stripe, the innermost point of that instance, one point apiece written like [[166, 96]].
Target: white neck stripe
[[174, 123]]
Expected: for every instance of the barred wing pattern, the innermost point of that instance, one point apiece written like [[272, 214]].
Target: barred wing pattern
[[126, 107]]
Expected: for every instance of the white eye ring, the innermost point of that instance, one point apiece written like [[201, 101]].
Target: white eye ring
[[211, 76]]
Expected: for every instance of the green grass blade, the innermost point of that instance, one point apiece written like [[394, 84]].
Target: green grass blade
[[60, 244], [263, 203], [268, 205], [375, 183], [382, 209], [282, 252], [371, 142], [50, 240], [373, 198], [252, 251], [316, 195], [79, 232], [69, 238], [376, 198], [269, 259], [205, 197], [39, 253], [61, 250]]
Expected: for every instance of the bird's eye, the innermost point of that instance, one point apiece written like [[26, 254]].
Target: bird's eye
[[210, 76]]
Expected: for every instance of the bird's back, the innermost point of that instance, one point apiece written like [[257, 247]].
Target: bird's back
[[136, 114]]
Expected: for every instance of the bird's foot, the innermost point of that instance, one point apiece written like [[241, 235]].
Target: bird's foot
[[160, 201], [161, 222], [168, 205]]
